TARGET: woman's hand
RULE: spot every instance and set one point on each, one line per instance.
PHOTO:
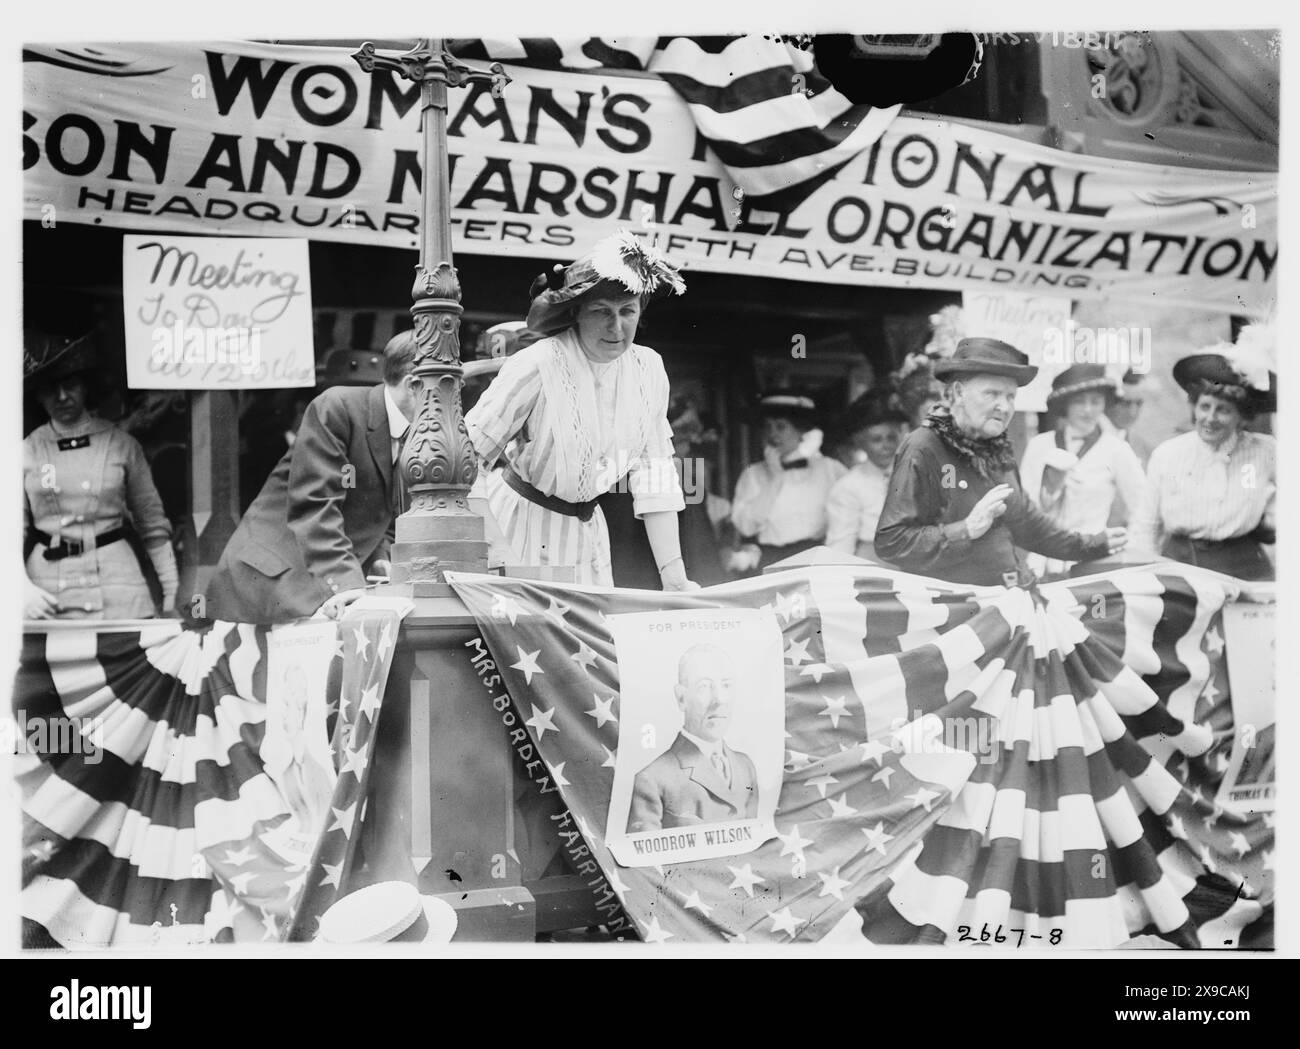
(673, 577)
(335, 606)
(1116, 540)
(37, 603)
(772, 457)
(987, 510)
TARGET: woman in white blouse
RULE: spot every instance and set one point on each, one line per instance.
(856, 499)
(1074, 471)
(580, 411)
(1212, 493)
(780, 503)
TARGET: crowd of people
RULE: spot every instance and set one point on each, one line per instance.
(940, 493)
(582, 447)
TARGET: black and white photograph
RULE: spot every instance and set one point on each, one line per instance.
(747, 482)
(700, 736)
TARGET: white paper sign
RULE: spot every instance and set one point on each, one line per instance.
(217, 313)
(1023, 321)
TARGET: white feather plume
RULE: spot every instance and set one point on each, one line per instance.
(624, 258)
(1255, 353)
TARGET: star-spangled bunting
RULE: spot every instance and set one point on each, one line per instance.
(207, 688)
(366, 676)
(1201, 873)
(857, 798)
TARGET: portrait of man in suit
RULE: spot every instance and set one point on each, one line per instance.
(325, 517)
(699, 779)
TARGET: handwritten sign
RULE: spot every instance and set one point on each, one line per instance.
(1023, 321)
(217, 313)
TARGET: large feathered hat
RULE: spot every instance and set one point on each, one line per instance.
(1244, 372)
(48, 358)
(621, 259)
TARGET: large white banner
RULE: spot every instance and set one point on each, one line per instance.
(262, 140)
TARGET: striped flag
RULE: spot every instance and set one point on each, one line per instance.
(153, 821)
(368, 639)
(775, 124)
(1083, 730)
(1092, 716)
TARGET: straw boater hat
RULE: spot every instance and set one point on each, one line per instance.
(621, 260)
(388, 912)
(1243, 375)
(985, 357)
(1081, 378)
(799, 406)
(496, 344)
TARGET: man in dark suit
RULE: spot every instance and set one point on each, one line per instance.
(699, 779)
(325, 516)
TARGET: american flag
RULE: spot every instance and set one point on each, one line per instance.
(1093, 717)
(1094, 814)
(162, 829)
(775, 124)
(368, 639)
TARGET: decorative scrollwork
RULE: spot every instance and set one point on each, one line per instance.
(1140, 78)
(441, 282)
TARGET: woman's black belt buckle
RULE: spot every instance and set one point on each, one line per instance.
(58, 549)
(582, 511)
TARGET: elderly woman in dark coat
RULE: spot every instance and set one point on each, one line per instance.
(955, 509)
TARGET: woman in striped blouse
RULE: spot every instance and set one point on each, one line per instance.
(1212, 492)
(580, 412)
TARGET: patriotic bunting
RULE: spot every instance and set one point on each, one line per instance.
(774, 122)
(1092, 717)
(1006, 768)
(161, 827)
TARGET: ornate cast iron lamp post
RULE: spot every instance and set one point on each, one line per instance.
(438, 531)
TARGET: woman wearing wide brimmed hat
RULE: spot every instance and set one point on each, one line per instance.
(955, 509)
(1212, 493)
(779, 507)
(1073, 471)
(582, 410)
(856, 499)
(84, 478)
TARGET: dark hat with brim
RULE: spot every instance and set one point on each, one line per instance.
(871, 409)
(1191, 371)
(985, 357)
(621, 262)
(1081, 378)
(49, 358)
(352, 368)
